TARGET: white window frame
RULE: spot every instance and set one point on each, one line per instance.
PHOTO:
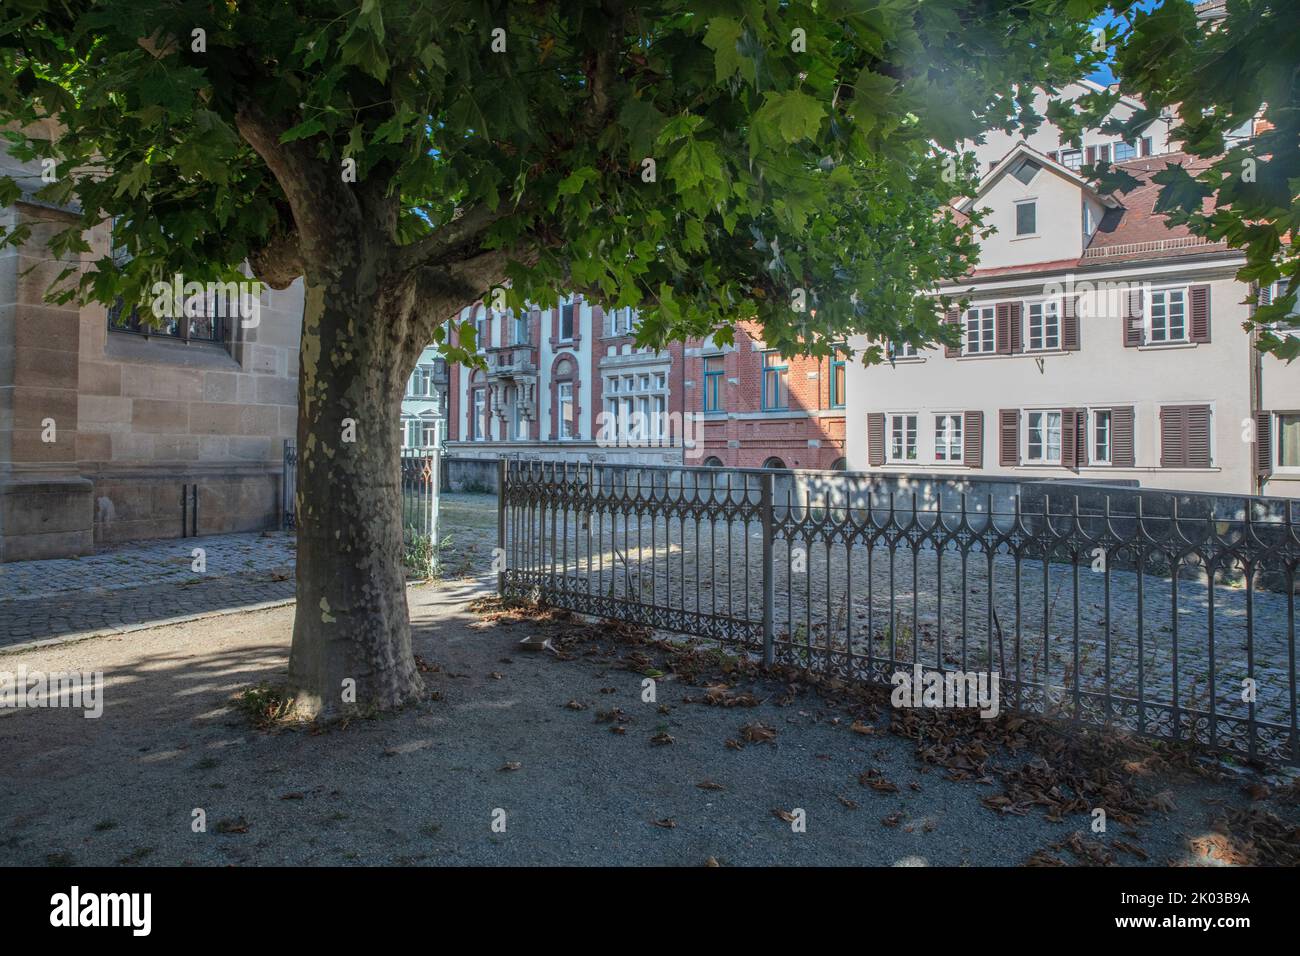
(1045, 437)
(1278, 328)
(564, 395)
(1076, 154)
(948, 436)
(1165, 295)
(1043, 319)
(911, 432)
(572, 305)
(986, 318)
(478, 417)
(1115, 147)
(1276, 425)
(1094, 429)
(1015, 221)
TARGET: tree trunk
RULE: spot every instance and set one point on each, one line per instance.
(351, 633)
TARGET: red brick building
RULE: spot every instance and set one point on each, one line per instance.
(760, 409)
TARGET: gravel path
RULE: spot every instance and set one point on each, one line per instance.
(421, 787)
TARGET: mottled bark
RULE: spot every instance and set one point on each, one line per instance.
(371, 308)
(351, 623)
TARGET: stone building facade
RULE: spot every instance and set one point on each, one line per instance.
(113, 431)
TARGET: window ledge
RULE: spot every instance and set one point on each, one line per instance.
(130, 346)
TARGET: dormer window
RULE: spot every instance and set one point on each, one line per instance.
(1026, 170)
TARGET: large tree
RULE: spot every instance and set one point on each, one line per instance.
(705, 162)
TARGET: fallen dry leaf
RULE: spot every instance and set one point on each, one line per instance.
(757, 733)
(874, 779)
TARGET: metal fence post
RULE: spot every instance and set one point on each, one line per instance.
(769, 569)
(434, 465)
(499, 557)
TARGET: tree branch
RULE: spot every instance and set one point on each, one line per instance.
(279, 262)
(324, 208)
(463, 233)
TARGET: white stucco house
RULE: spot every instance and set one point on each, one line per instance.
(1098, 343)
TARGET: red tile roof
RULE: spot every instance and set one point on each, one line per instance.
(1136, 221)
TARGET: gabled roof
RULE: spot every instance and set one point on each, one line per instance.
(1009, 161)
(1130, 230)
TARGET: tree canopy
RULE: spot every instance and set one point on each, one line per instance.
(706, 162)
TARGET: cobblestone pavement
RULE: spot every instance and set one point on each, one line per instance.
(147, 563)
(150, 583)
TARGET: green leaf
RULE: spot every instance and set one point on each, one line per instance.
(303, 130)
(723, 38)
(133, 180)
(573, 183)
(794, 114)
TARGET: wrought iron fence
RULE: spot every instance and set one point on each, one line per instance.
(1155, 613)
(420, 474)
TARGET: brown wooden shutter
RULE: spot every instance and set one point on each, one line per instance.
(1173, 436)
(1263, 443)
(1133, 319)
(1092, 155)
(951, 318)
(1002, 328)
(1017, 320)
(1197, 445)
(875, 439)
(1146, 145)
(1200, 313)
(1070, 324)
(1080, 437)
(1067, 438)
(1121, 437)
(972, 439)
(1009, 437)
(1070, 438)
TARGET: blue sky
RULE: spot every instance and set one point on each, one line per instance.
(1106, 20)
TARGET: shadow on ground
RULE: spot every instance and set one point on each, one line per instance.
(506, 734)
